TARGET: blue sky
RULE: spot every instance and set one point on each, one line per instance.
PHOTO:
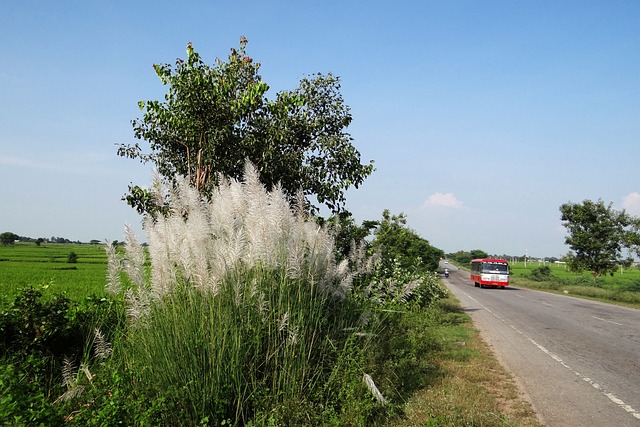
(482, 117)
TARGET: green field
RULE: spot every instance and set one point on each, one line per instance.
(621, 279)
(26, 264)
(623, 287)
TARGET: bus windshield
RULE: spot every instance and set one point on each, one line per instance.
(494, 267)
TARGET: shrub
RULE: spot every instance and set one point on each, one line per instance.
(33, 323)
(42, 340)
(541, 274)
(397, 286)
(56, 326)
(72, 258)
(630, 287)
(24, 398)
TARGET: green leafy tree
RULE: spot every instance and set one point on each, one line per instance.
(347, 234)
(215, 118)
(399, 244)
(477, 253)
(597, 234)
(8, 238)
(461, 257)
(405, 271)
(465, 257)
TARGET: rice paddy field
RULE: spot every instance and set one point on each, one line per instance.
(621, 279)
(26, 264)
(623, 287)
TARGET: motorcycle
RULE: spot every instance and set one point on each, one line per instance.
(446, 273)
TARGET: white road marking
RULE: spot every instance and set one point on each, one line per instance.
(547, 304)
(586, 379)
(606, 320)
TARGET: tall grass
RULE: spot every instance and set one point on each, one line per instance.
(246, 312)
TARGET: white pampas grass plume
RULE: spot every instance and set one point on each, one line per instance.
(134, 257)
(157, 191)
(293, 335)
(85, 370)
(283, 322)
(203, 242)
(70, 380)
(409, 288)
(114, 268)
(373, 389)
(69, 372)
(138, 303)
(101, 348)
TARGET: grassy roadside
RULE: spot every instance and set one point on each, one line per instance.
(621, 288)
(610, 296)
(472, 388)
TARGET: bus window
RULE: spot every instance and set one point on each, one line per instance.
(491, 267)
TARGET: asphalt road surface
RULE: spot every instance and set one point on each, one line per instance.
(578, 360)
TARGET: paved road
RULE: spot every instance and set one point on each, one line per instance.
(578, 360)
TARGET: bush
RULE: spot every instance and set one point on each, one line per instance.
(33, 323)
(630, 287)
(42, 339)
(72, 258)
(394, 286)
(541, 274)
(25, 400)
(56, 326)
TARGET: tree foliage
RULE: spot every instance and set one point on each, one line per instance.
(465, 257)
(397, 243)
(541, 274)
(215, 118)
(598, 235)
(8, 238)
(347, 234)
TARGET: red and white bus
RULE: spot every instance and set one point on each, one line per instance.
(490, 272)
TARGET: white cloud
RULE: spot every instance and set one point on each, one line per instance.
(79, 163)
(443, 199)
(631, 203)
(31, 163)
(16, 161)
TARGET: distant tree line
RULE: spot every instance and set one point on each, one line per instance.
(465, 257)
(9, 238)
